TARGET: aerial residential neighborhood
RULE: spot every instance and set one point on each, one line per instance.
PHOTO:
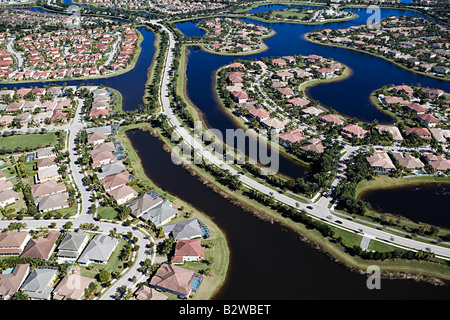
(189, 150)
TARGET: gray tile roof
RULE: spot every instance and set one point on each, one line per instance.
(187, 229)
(158, 214)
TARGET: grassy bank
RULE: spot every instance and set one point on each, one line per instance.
(376, 55)
(218, 253)
(392, 268)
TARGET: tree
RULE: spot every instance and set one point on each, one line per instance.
(104, 276)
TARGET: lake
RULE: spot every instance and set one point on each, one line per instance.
(428, 203)
(266, 260)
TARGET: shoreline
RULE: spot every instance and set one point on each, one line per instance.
(137, 165)
(132, 65)
(375, 55)
(313, 238)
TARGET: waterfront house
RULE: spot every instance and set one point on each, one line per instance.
(428, 119)
(160, 214)
(188, 250)
(115, 181)
(381, 162)
(187, 229)
(331, 118)
(353, 130)
(259, 114)
(313, 144)
(409, 162)
(286, 139)
(144, 202)
(173, 279)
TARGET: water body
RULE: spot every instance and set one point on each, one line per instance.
(267, 261)
(130, 84)
(349, 97)
(426, 203)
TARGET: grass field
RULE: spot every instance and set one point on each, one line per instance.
(28, 141)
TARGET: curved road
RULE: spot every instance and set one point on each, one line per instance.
(319, 209)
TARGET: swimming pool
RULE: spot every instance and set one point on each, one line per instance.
(8, 271)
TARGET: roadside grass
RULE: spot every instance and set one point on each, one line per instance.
(326, 244)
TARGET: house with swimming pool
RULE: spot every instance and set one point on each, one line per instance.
(176, 280)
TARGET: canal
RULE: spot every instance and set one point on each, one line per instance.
(268, 261)
(427, 203)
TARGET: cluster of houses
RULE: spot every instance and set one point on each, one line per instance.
(163, 6)
(39, 283)
(48, 192)
(180, 6)
(33, 106)
(431, 113)
(5, 58)
(73, 53)
(101, 99)
(280, 78)
(23, 17)
(416, 42)
(233, 35)
(385, 163)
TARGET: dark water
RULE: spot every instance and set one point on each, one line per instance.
(349, 97)
(427, 203)
(268, 262)
(130, 84)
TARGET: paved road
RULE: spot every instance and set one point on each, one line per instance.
(319, 209)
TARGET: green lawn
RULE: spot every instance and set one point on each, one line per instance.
(28, 141)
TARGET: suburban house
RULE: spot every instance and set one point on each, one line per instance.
(187, 229)
(39, 284)
(71, 245)
(13, 242)
(8, 197)
(290, 137)
(147, 293)
(188, 250)
(428, 119)
(394, 131)
(53, 202)
(41, 247)
(274, 124)
(11, 282)
(123, 194)
(173, 279)
(381, 162)
(160, 214)
(98, 250)
(353, 130)
(422, 132)
(144, 202)
(72, 286)
(47, 188)
(408, 161)
(47, 174)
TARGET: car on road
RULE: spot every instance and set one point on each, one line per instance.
(338, 221)
(309, 207)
